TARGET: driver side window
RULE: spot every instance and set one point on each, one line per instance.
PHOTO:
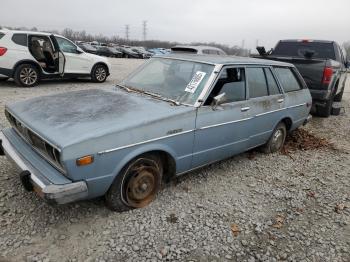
(231, 82)
(66, 46)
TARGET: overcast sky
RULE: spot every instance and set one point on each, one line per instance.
(223, 21)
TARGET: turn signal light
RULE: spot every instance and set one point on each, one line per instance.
(85, 160)
(2, 51)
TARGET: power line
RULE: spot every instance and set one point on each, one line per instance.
(127, 32)
(144, 30)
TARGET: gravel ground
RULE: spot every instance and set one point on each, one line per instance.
(256, 207)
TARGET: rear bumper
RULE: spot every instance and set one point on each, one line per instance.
(6, 72)
(319, 96)
(37, 181)
(307, 120)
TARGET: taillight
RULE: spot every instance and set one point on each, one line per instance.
(327, 75)
(2, 51)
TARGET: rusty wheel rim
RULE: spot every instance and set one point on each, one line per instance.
(142, 186)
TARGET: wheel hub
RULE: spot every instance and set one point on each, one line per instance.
(28, 76)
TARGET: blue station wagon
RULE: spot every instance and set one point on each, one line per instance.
(170, 116)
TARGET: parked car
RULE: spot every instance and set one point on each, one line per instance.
(88, 48)
(199, 50)
(322, 64)
(172, 115)
(128, 53)
(28, 57)
(142, 52)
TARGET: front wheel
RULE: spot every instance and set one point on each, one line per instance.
(276, 140)
(137, 184)
(99, 74)
(26, 75)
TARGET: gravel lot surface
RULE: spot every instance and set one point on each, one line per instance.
(252, 207)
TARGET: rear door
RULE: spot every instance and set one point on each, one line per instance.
(266, 104)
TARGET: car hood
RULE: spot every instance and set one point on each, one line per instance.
(72, 117)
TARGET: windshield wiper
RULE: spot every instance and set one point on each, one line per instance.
(158, 96)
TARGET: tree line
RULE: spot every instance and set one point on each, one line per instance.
(86, 37)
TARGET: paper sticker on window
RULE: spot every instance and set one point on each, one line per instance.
(195, 82)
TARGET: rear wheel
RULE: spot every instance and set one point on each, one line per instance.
(27, 75)
(276, 140)
(99, 74)
(137, 184)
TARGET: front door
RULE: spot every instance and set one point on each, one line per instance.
(222, 131)
(77, 62)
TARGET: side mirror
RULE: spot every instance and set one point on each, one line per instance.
(218, 100)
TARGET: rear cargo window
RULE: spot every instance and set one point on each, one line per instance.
(20, 39)
(288, 80)
(1, 35)
(308, 49)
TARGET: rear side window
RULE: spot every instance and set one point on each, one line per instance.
(256, 82)
(1, 35)
(308, 49)
(271, 82)
(20, 39)
(288, 79)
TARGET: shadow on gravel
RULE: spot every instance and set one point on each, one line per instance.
(11, 83)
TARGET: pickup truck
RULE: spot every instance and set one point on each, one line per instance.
(322, 64)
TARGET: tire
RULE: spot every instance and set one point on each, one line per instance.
(136, 185)
(339, 97)
(99, 74)
(27, 75)
(325, 111)
(3, 79)
(276, 140)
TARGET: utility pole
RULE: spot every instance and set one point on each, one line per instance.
(144, 30)
(127, 32)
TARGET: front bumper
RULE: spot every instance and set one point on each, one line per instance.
(34, 180)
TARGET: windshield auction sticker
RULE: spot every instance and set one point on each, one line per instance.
(195, 82)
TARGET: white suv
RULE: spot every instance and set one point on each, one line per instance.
(28, 57)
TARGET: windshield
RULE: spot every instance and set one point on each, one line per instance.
(180, 81)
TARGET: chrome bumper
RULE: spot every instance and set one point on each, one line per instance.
(32, 181)
(307, 120)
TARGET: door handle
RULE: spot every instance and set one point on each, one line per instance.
(281, 100)
(244, 109)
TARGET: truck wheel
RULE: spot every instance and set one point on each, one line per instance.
(27, 75)
(325, 111)
(276, 140)
(99, 74)
(339, 97)
(137, 184)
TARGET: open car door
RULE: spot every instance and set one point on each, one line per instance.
(60, 60)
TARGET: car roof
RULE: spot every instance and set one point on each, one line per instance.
(28, 32)
(197, 47)
(309, 40)
(223, 59)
